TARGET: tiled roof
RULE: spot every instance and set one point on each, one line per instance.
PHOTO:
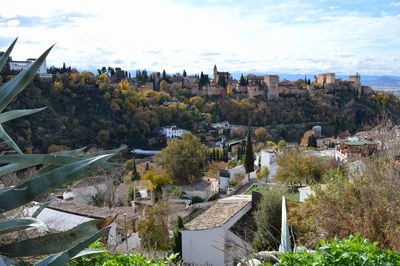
(92, 211)
(219, 213)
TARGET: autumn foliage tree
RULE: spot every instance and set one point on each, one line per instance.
(184, 158)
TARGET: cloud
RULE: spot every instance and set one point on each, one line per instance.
(259, 36)
(49, 21)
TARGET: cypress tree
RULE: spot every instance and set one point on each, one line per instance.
(135, 174)
(249, 156)
(164, 75)
(184, 73)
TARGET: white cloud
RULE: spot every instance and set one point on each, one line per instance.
(256, 36)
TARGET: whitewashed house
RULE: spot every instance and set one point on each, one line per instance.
(220, 235)
(268, 158)
(21, 65)
(221, 125)
(231, 174)
(172, 131)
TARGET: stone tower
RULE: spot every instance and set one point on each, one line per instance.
(215, 74)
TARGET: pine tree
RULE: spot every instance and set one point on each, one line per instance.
(249, 156)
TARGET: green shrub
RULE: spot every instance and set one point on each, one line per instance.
(351, 251)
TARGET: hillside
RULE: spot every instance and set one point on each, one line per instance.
(84, 109)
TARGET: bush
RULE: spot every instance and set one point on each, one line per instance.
(268, 220)
(351, 251)
(368, 205)
(109, 259)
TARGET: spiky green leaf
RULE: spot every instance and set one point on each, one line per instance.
(14, 86)
(18, 224)
(34, 187)
(8, 140)
(56, 242)
(6, 55)
(87, 252)
(41, 208)
(70, 152)
(53, 161)
(63, 257)
(10, 115)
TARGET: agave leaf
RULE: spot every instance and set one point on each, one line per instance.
(14, 86)
(53, 161)
(35, 159)
(88, 251)
(70, 153)
(17, 224)
(63, 257)
(8, 140)
(104, 152)
(32, 188)
(9, 168)
(56, 242)
(3, 59)
(41, 208)
(10, 115)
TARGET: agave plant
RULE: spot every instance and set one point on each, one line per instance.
(59, 168)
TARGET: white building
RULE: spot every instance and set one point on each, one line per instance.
(268, 158)
(231, 174)
(172, 131)
(21, 65)
(221, 125)
(217, 236)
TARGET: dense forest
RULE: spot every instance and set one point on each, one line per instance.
(88, 109)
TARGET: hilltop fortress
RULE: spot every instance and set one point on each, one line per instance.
(272, 87)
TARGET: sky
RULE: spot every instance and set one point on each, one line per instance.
(267, 36)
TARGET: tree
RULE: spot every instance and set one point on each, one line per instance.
(177, 237)
(367, 205)
(157, 181)
(184, 159)
(242, 81)
(261, 134)
(130, 166)
(222, 82)
(268, 220)
(281, 145)
(184, 73)
(153, 230)
(312, 141)
(163, 85)
(299, 168)
(249, 154)
(264, 173)
(164, 75)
